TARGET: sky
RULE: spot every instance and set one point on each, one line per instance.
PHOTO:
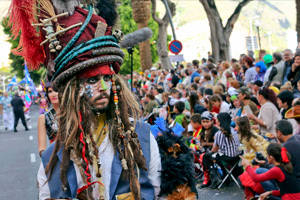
(4, 45)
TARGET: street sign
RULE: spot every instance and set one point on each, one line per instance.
(175, 47)
(176, 58)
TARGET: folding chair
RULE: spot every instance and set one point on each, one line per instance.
(229, 174)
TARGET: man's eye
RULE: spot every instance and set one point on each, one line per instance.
(107, 78)
(92, 80)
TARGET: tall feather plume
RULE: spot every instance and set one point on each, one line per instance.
(22, 16)
(47, 7)
(107, 10)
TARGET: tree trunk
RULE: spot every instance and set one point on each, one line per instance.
(219, 34)
(145, 52)
(162, 46)
(141, 10)
(298, 20)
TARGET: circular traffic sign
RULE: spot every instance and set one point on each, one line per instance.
(175, 47)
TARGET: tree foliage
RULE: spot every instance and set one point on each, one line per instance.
(17, 64)
(128, 25)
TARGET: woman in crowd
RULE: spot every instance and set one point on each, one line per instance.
(47, 123)
(250, 74)
(150, 104)
(237, 71)
(285, 100)
(252, 143)
(226, 140)
(226, 145)
(195, 105)
(294, 75)
(218, 105)
(268, 113)
(226, 70)
(289, 188)
(261, 70)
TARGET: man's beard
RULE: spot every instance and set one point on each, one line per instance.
(98, 111)
(103, 109)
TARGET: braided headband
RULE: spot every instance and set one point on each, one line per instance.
(84, 65)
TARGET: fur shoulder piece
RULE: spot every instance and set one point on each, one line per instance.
(177, 167)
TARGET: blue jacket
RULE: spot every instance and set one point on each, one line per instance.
(117, 185)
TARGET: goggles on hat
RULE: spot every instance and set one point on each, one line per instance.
(207, 115)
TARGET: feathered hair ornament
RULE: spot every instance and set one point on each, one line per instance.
(22, 16)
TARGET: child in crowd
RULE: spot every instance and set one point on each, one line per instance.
(178, 110)
(197, 127)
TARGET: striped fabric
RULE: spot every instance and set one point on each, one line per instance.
(228, 146)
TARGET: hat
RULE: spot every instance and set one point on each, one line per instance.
(234, 97)
(262, 67)
(206, 115)
(232, 91)
(259, 83)
(244, 90)
(67, 38)
(275, 89)
(294, 112)
(268, 59)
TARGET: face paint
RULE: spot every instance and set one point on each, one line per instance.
(106, 85)
(89, 91)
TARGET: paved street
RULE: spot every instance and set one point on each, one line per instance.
(20, 162)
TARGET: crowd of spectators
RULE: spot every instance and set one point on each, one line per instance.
(247, 106)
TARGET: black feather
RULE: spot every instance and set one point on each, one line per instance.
(107, 10)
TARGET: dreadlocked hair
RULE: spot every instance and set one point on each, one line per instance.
(71, 106)
(124, 138)
(121, 134)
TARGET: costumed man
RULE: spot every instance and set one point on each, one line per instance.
(102, 150)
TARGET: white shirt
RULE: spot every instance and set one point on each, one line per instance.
(106, 155)
(267, 74)
(225, 107)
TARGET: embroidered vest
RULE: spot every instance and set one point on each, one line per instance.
(117, 186)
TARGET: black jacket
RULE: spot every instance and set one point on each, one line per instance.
(17, 104)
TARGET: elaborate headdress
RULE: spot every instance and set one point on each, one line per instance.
(71, 41)
(66, 38)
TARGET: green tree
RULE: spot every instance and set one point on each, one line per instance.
(17, 64)
(128, 25)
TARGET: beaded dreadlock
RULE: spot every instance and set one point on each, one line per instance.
(76, 138)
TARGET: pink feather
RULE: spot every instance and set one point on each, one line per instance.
(22, 16)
